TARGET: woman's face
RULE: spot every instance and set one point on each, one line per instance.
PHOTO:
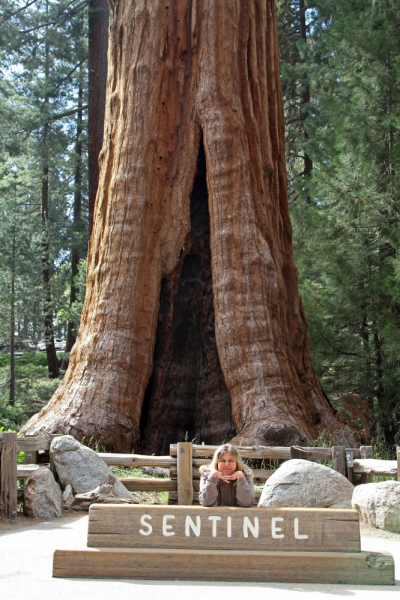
(227, 464)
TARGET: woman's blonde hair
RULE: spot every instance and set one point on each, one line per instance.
(218, 454)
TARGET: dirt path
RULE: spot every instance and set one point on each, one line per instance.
(27, 546)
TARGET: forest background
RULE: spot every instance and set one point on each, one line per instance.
(340, 72)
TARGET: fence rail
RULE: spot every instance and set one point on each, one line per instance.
(183, 464)
(266, 452)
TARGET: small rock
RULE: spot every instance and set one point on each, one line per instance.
(81, 467)
(301, 483)
(103, 494)
(68, 496)
(378, 504)
(42, 495)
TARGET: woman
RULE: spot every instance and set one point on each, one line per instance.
(226, 481)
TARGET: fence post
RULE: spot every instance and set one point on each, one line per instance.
(349, 465)
(366, 452)
(8, 475)
(339, 459)
(185, 473)
(30, 458)
(398, 462)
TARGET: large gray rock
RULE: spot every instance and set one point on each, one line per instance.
(80, 467)
(42, 495)
(306, 484)
(378, 504)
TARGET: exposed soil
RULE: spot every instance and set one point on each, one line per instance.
(23, 521)
(367, 531)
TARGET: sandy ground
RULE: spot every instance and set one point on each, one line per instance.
(27, 546)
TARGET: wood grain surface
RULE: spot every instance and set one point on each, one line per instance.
(265, 452)
(364, 568)
(8, 475)
(185, 473)
(223, 528)
(373, 466)
(33, 444)
(339, 459)
(24, 471)
(136, 460)
(366, 453)
(149, 484)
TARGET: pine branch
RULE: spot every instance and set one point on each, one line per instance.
(11, 15)
(71, 72)
(68, 113)
(71, 13)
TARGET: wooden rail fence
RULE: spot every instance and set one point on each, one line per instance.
(183, 463)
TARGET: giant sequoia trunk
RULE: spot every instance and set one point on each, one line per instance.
(192, 319)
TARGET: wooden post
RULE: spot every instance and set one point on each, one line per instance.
(339, 459)
(8, 475)
(398, 462)
(349, 464)
(185, 473)
(366, 452)
(30, 458)
(298, 452)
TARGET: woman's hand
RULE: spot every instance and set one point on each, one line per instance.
(227, 478)
(219, 476)
(235, 476)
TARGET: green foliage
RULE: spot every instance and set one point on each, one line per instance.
(346, 229)
(44, 78)
(383, 451)
(72, 312)
(341, 87)
(122, 472)
(145, 497)
(33, 389)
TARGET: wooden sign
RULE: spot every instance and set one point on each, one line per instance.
(223, 528)
(362, 568)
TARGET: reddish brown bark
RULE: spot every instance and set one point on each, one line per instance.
(179, 72)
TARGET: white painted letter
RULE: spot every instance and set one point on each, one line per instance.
(275, 529)
(214, 525)
(190, 525)
(296, 531)
(229, 526)
(144, 522)
(166, 527)
(247, 524)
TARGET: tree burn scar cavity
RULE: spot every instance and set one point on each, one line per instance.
(187, 396)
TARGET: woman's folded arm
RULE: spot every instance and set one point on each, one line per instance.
(208, 493)
(245, 495)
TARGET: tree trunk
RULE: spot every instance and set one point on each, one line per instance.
(180, 73)
(11, 400)
(51, 354)
(52, 360)
(305, 101)
(77, 224)
(98, 36)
